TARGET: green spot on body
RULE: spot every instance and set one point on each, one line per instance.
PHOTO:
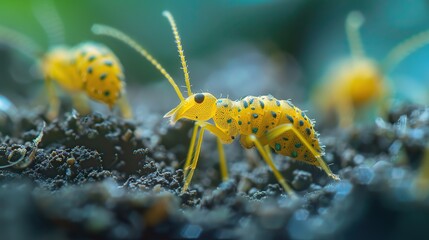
(298, 145)
(262, 104)
(255, 115)
(294, 154)
(245, 104)
(91, 58)
(240, 122)
(286, 139)
(301, 123)
(229, 120)
(254, 130)
(103, 76)
(289, 118)
(274, 114)
(108, 63)
(278, 147)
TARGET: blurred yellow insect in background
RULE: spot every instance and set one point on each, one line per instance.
(262, 122)
(360, 83)
(90, 69)
(87, 70)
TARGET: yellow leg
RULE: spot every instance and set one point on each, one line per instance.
(267, 157)
(191, 165)
(190, 151)
(124, 107)
(222, 160)
(279, 130)
(54, 102)
(80, 103)
(268, 151)
(188, 178)
(345, 113)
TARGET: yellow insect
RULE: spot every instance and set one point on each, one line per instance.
(89, 69)
(262, 122)
(360, 83)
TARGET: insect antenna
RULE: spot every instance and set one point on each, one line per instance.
(48, 17)
(170, 18)
(404, 49)
(353, 23)
(112, 32)
(20, 42)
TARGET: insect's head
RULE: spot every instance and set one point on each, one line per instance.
(361, 79)
(199, 106)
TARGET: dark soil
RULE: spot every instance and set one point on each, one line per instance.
(101, 177)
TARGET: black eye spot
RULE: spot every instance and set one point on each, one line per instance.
(199, 98)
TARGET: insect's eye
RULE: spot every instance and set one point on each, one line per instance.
(199, 98)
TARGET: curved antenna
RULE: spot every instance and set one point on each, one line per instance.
(353, 23)
(48, 17)
(20, 42)
(404, 49)
(170, 18)
(112, 32)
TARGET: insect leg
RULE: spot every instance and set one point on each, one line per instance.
(279, 130)
(267, 157)
(345, 113)
(190, 166)
(54, 102)
(268, 151)
(194, 161)
(222, 160)
(80, 103)
(124, 107)
(190, 151)
(221, 139)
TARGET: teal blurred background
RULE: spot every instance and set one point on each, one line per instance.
(233, 48)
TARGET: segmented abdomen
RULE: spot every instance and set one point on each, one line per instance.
(88, 67)
(100, 71)
(258, 115)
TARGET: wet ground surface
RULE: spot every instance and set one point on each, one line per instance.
(101, 177)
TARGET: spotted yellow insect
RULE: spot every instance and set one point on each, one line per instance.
(87, 70)
(263, 122)
(359, 85)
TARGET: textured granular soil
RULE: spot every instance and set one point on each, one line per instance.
(101, 177)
